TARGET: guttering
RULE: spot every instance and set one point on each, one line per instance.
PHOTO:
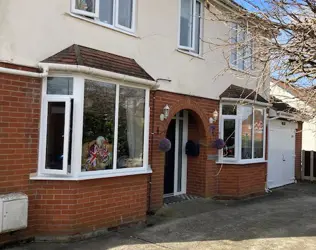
(240, 100)
(98, 72)
(24, 73)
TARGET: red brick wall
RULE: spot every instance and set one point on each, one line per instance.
(56, 207)
(298, 151)
(195, 171)
(238, 181)
(70, 208)
(19, 121)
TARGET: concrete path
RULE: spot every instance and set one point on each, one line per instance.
(285, 219)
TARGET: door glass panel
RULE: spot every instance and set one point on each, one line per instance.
(59, 85)
(246, 130)
(55, 135)
(180, 152)
(259, 132)
(229, 110)
(229, 138)
(307, 167)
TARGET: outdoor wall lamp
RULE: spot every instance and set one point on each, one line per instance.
(165, 113)
(214, 117)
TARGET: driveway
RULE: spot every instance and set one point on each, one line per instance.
(284, 219)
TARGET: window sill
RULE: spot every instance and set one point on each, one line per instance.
(241, 162)
(35, 176)
(191, 54)
(101, 24)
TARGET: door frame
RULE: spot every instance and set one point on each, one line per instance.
(185, 120)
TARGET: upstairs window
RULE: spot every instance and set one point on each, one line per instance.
(113, 13)
(241, 57)
(190, 25)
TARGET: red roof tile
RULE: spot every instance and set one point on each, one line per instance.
(84, 56)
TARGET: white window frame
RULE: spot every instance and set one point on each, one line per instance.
(43, 138)
(191, 48)
(238, 132)
(86, 13)
(115, 24)
(77, 133)
(235, 64)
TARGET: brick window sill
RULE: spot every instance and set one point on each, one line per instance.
(36, 176)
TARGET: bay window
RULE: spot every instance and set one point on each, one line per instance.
(190, 25)
(118, 14)
(242, 127)
(91, 128)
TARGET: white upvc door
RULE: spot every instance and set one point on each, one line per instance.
(281, 154)
(180, 164)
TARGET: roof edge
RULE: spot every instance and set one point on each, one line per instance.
(98, 72)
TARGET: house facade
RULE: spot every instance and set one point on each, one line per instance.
(99, 100)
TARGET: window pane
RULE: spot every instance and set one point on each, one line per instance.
(248, 53)
(131, 128)
(55, 135)
(246, 133)
(233, 57)
(125, 13)
(59, 85)
(186, 23)
(229, 138)
(259, 133)
(86, 5)
(241, 50)
(98, 126)
(197, 27)
(229, 110)
(106, 11)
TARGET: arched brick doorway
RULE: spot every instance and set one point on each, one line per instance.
(198, 168)
(184, 173)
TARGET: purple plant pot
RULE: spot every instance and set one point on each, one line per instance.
(165, 145)
(219, 144)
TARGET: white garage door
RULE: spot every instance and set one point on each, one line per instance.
(281, 153)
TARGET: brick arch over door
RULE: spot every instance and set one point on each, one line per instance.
(201, 110)
(190, 106)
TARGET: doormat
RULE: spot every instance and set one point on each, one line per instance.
(179, 198)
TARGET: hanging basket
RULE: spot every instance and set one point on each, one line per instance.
(165, 145)
(219, 144)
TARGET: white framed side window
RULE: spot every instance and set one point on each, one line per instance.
(241, 56)
(116, 14)
(190, 25)
(242, 127)
(92, 128)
